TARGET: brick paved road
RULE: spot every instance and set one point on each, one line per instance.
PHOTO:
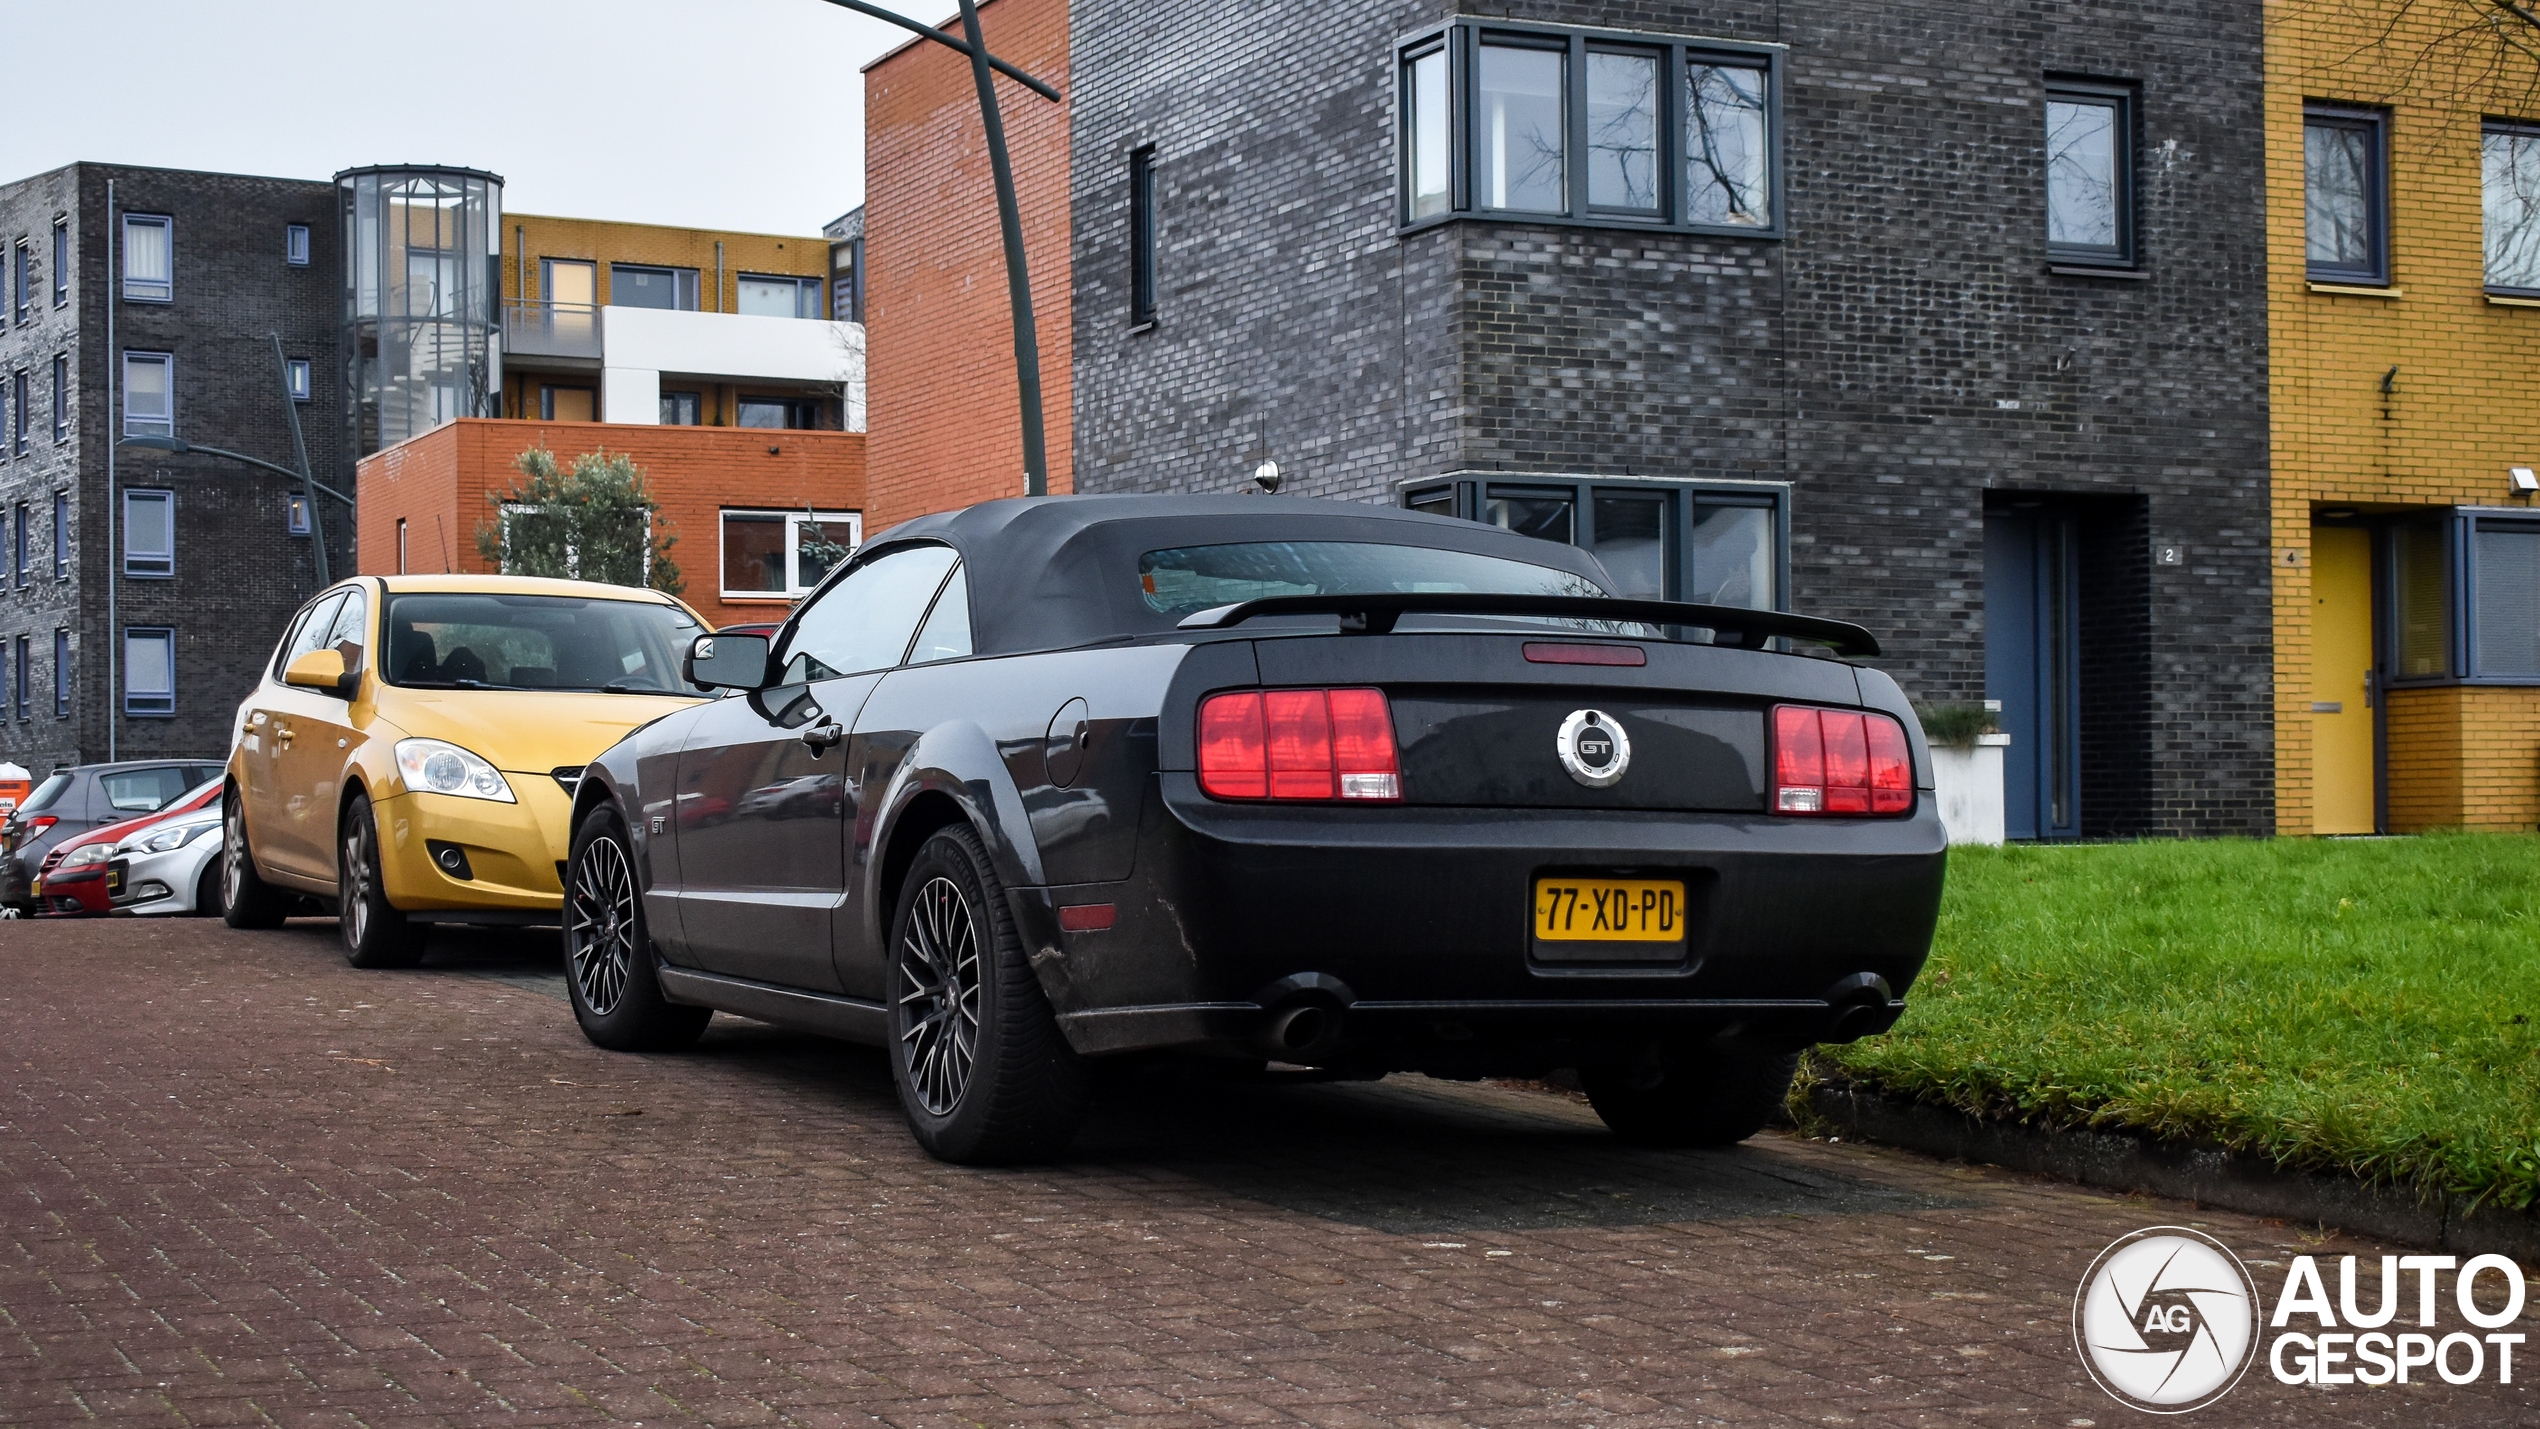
(242, 1184)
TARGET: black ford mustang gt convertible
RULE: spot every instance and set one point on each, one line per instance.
(1042, 783)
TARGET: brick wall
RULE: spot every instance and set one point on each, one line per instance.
(940, 342)
(239, 573)
(2458, 410)
(1903, 352)
(440, 484)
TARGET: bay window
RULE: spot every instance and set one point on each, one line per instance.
(2464, 598)
(1580, 126)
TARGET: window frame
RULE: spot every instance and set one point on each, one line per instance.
(22, 292)
(684, 283)
(61, 535)
(21, 549)
(61, 672)
(1142, 306)
(167, 286)
(24, 697)
(2377, 192)
(817, 287)
(295, 245)
(61, 398)
(2126, 255)
(167, 362)
(794, 520)
(61, 262)
(152, 565)
(300, 375)
(21, 385)
(132, 699)
(1467, 490)
(1461, 39)
(2489, 127)
(2459, 526)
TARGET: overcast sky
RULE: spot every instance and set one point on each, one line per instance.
(733, 114)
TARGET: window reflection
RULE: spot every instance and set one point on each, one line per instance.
(1732, 557)
(2418, 580)
(1622, 105)
(1548, 515)
(1726, 171)
(2339, 194)
(2510, 170)
(2081, 174)
(1429, 138)
(1631, 539)
(1521, 131)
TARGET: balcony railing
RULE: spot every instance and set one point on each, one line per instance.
(539, 329)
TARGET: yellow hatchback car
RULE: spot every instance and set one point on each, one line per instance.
(410, 753)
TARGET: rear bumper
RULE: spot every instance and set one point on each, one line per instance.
(1410, 931)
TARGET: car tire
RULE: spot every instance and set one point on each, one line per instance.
(207, 889)
(1697, 1094)
(982, 1070)
(247, 901)
(375, 934)
(610, 970)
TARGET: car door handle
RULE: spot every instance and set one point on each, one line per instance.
(822, 737)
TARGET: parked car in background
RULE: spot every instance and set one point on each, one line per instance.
(75, 803)
(1264, 779)
(410, 753)
(77, 878)
(170, 867)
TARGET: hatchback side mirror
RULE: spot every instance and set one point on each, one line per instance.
(321, 670)
(727, 662)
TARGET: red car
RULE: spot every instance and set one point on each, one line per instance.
(72, 882)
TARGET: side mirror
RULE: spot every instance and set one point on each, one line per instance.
(727, 662)
(321, 670)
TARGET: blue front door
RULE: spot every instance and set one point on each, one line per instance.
(2031, 629)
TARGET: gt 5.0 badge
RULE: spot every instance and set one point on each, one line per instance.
(1593, 748)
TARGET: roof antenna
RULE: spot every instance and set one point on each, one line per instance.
(1266, 475)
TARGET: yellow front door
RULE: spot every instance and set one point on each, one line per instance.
(2341, 665)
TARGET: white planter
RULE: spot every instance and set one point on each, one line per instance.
(1968, 786)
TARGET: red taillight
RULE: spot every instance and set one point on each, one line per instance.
(1299, 745)
(1839, 762)
(1233, 763)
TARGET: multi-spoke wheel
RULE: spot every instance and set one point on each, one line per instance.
(246, 900)
(939, 995)
(599, 925)
(376, 935)
(609, 963)
(982, 1069)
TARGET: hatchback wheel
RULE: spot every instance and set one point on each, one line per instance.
(609, 963)
(375, 934)
(982, 1069)
(246, 900)
(1695, 1094)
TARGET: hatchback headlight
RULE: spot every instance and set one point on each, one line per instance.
(431, 766)
(86, 854)
(163, 840)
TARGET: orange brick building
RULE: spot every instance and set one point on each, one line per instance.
(939, 338)
(2403, 204)
(734, 497)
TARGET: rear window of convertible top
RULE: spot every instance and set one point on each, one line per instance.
(1187, 579)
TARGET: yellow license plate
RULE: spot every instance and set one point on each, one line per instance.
(1609, 910)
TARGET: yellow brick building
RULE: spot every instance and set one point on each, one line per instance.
(2403, 194)
(557, 270)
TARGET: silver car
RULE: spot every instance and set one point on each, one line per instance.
(169, 868)
(71, 802)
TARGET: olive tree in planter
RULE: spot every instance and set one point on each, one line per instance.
(1966, 768)
(597, 521)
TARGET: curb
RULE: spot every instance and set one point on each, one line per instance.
(2207, 1176)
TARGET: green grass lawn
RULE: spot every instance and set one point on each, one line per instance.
(2366, 1006)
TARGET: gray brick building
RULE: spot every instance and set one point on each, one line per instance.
(183, 576)
(1765, 300)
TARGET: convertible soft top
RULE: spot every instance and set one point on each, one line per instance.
(1051, 572)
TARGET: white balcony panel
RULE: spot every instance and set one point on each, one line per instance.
(734, 346)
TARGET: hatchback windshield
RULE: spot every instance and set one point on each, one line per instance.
(536, 642)
(1189, 579)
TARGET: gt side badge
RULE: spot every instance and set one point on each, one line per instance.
(1593, 748)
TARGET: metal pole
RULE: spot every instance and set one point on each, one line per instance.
(114, 385)
(1018, 280)
(300, 457)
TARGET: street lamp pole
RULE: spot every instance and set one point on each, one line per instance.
(177, 447)
(1018, 281)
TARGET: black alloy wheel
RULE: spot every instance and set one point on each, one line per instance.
(609, 964)
(246, 900)
(983, 1071)
(375, 934)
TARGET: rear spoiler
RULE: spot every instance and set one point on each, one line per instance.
(1375, 614)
